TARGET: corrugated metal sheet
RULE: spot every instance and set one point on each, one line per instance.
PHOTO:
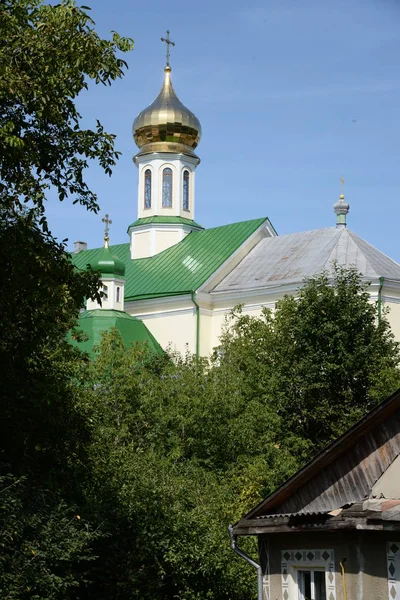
(291, 258)
(181, 268)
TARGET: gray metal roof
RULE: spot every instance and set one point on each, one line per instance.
(291, 258)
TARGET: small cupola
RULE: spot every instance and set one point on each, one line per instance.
(341, 208)
(112, 271)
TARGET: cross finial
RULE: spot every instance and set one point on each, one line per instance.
(106, 219)
(168, 43)
(342, 182)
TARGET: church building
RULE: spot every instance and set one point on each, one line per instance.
(180, 279)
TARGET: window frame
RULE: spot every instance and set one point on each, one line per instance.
(294, 560)
(300, 587)
(148, 184)
(186, 189)
(167, 178)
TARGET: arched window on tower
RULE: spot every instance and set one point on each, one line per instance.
(147, 188)
(167, 188)
(185, 203)
(118, 299)
(105, 291)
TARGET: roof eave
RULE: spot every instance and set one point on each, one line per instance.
(376, 416)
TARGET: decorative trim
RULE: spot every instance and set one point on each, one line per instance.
(393, 564)
(264, 560)
(291, 560)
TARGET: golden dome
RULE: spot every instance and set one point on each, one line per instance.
(166, 124)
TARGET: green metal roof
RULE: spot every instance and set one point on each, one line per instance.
(108, 264)
(181, 269)
(94, 322)
(167, 220)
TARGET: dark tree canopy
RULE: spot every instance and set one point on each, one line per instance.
(48, 54)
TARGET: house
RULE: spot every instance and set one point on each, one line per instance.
(332, 531)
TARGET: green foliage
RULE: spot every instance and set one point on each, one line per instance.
(49, 54)
(177, 455)
(41, 298)
(322, 360)
(44, 545)
(181, 448)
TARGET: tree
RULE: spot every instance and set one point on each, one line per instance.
(177, 454)
(182, 447)
(48, 55)
(321, 360)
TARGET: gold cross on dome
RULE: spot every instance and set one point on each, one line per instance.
(106, 219)
(342, 182)
(168, 43)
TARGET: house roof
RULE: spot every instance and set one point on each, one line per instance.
(181, 269)
(343, 474)
(95, 322)
(291, 258)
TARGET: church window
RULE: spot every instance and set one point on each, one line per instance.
(118, 294)
(185, 190)
(105, 292)
(167, 188)
(147, 188)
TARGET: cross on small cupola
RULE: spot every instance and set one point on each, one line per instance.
(106, 219)
(168, 43)
(341, 208)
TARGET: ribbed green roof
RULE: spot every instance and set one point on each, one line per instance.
(182, 268)
(107, 263)
(94, 322)
(167, 220)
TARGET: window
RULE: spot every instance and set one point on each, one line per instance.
(308, 574)
(105, 292)
(311, 584)
(118, 294)
(167, 188)
(185, 190)
(147, 188)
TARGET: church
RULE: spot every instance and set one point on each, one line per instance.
(176, 281)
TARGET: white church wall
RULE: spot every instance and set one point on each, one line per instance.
(112, 298)
(165, 238)
(173, 320)
(174, 330)
(178, 163)
(143, 243)
(394, 316)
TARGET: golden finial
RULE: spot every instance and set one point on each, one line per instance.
(342, 194)
(168, 44)
(106, 219)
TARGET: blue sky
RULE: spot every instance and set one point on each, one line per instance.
(291, 94)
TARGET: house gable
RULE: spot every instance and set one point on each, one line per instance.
(345, 472)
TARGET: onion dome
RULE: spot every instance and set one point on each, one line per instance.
(341, 209)
(107, 263)
(166, 125)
